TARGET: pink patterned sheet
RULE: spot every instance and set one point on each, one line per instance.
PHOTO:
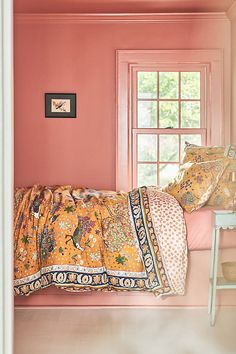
(199, 231)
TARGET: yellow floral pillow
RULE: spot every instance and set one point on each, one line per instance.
(225, 190)
(202, 153)
(195, 183)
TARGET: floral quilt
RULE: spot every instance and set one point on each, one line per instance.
(82, 239)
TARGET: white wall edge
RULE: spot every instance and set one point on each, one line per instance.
(6, 179)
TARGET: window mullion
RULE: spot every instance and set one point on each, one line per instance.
(171, 131)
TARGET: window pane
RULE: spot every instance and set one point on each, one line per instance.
(168, 114)
(169, 148)
(147, 114)
(147, 174)
(168, 172)
(147, 84)
(168, 85)
(192, 139)
(190, 85)
(190, 114)
(147, 147)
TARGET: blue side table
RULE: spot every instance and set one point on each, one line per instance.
(222, 220)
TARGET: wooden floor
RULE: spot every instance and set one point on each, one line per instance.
(126, 331)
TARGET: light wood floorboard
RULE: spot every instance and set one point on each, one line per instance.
(126, 331)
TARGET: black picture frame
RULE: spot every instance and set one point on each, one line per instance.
(54, 105)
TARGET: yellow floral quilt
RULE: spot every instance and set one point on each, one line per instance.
(82, 239)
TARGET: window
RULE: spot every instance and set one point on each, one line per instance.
(168, 109)
(164, 98)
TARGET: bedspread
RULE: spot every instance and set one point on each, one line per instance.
(82, 239)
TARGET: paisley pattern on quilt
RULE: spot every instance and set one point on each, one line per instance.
(82, 239)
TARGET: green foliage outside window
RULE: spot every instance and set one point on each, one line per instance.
(161, 105)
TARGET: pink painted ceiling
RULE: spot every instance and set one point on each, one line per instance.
(120, 6)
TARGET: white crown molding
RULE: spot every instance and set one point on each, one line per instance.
(231, 13)
(117, 17)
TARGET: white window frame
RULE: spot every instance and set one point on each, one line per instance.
(217, 123)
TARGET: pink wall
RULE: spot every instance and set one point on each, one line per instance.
(80, 58)
(233, 49)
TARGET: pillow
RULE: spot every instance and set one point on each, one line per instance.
(195, 183)
(202, 153)
(230, 151)
(223, 195)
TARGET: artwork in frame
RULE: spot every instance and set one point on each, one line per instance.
(60, 105)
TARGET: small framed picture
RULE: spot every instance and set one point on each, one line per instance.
(60, 105)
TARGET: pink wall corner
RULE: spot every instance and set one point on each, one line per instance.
(80, 57)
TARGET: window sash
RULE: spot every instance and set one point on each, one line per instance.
(168, 68)
(155, 131)
(164, 131)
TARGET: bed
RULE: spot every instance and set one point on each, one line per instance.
(198, 241)
(130, 243)
(196, 289)
(82, 240)
(199, 231)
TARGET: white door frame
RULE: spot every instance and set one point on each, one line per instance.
(6, 177)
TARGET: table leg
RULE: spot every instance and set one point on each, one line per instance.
(213, 305)
(211, 270)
